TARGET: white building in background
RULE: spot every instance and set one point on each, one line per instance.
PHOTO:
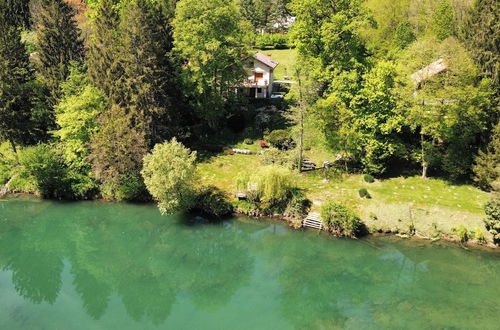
(259, 83)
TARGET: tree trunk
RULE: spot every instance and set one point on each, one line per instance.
(425, 164)
(301, 123)
(13, 145)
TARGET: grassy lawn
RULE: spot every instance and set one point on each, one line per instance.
(432, 205)
(286, 59)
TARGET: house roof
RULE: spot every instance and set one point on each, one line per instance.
(429, 71)
(266, 60)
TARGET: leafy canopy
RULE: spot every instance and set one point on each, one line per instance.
(169, 174)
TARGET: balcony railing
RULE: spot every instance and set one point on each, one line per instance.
(256, 83)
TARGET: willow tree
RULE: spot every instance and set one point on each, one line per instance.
(169, 175)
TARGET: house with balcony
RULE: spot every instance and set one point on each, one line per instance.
(260, 76)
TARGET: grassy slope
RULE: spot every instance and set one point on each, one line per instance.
(396, 202)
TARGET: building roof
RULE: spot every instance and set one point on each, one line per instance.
(266, 60)
(429, 71)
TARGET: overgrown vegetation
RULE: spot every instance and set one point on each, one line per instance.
(341, 220)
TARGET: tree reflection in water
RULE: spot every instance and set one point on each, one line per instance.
(128, 251)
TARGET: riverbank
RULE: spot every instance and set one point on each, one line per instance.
(430, 208)
(297, 225)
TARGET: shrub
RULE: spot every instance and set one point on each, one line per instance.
(273, 156)
(131, 188)
(272, 187)
(479, 235)
(280, 139)
(271, 40)
(46, 169)
(298, 206)
(247, 208)
(248, 141)
(363, 193)
(486, 169)
(369, 178)
(273, 184)
(341, 220)
(462, 233)
(411, 229)
(211, 201)
(263, 144)
(492, 221)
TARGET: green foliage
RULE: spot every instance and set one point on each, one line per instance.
(368, 178)
(262, 14)
(58, 43)
(15, 93)
(169, 174)
(280, 139)
(451, 109)
(404, 35)
(272, 41)
(478, 235)
(486, 168)
(76, 117)
(247, 208)
(146, 84)
(328, 36)
(15, 13)
(102, 44)
(341, 220)
(273, 184)
(492, 221)
(363, 193)
(273, 156)
(481, 32)
(443, 20)
(116, 154)
(211, 39)
(298, 205)
(463, 233)
(212, 201)
(271, 188)
(411, 229)
(46, 170)
(248, 141)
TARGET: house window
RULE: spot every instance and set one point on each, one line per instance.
(259, 90)
(259, 75)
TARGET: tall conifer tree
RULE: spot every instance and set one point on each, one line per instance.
(146, 87)
(58, 41)
(102, 47)
(481, 34)
(15, 74)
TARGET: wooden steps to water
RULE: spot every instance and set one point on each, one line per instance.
(313, 220)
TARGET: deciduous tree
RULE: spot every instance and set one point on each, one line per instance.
(169, 173)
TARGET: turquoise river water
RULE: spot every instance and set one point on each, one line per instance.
(95, 265)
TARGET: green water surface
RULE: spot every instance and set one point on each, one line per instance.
(94, 265)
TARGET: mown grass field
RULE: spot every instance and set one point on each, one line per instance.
(286, 59)
(433, 205)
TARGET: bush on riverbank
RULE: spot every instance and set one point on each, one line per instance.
(341, 220)
(212, 201)
(169, 175)
(492, 221)
(271, 191)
